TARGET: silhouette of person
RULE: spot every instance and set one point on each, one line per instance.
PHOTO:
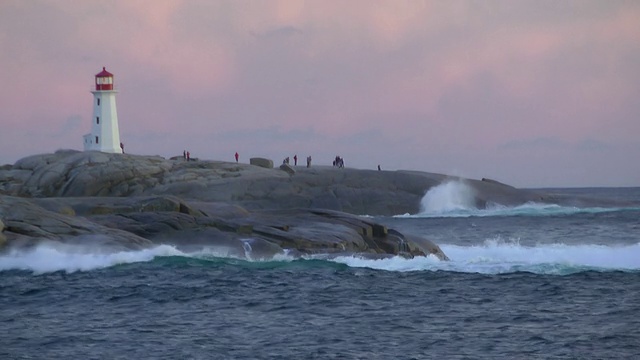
(295, 160)
(122, 147)
(379, 168)
(237, 156)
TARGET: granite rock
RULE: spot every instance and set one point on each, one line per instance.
(125, 201)
(262, 162)
(141, 222)
(91, 174)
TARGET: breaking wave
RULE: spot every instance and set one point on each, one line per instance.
(491, 257)
(499, 257)
(457, 199)
(453, 196)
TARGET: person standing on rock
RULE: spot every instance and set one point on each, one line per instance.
(237, 156)
(188, 156)
(379, 168)
(122, 147)
(184, 154)
(295, 160)
(309, 161)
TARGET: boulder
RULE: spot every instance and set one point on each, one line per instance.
(262, 162)
(425, 245)
(288, 169)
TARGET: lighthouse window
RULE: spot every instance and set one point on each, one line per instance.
(98, 102)
(96, 139)
(98, 120)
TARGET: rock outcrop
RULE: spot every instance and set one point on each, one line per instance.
(86, 174)
(27, 224)
(124, 201)
(132, 223)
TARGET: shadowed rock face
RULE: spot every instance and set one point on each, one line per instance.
(137, 222)
(126, 201)
(26, 224)
(3, 238)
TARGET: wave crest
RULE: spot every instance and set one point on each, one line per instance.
(452, 196)
(494, 256)
(458, 199)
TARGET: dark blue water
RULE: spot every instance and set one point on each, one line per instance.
(527, 283)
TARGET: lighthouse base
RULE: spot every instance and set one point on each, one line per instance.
(90, 144)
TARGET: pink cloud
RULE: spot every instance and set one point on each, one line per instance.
(456, 79)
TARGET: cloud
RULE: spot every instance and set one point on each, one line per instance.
(593, 145)
(272, 133)
(552, 143)
(282, 32)
(428, 85)
(539, 143)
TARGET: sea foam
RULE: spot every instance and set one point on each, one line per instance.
(491, 257)
(457, 199)
(51, 257)
(497, 257)
(448, 197)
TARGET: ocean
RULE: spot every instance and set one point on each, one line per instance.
(529, 282)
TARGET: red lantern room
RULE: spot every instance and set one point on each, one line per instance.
(104, 80)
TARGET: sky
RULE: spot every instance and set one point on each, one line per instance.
(532, 93)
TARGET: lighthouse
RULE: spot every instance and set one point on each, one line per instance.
(104, 135)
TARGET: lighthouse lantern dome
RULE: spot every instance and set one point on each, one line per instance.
(104, 80)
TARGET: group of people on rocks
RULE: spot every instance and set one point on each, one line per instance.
(295, 160)
(337, 162)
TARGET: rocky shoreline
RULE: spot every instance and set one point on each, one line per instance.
(119, 202)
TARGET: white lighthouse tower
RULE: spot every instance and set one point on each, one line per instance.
(104, 135)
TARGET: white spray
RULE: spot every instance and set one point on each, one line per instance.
(448, 197)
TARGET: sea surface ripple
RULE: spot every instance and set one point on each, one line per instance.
(534, 282)
(176, 307)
